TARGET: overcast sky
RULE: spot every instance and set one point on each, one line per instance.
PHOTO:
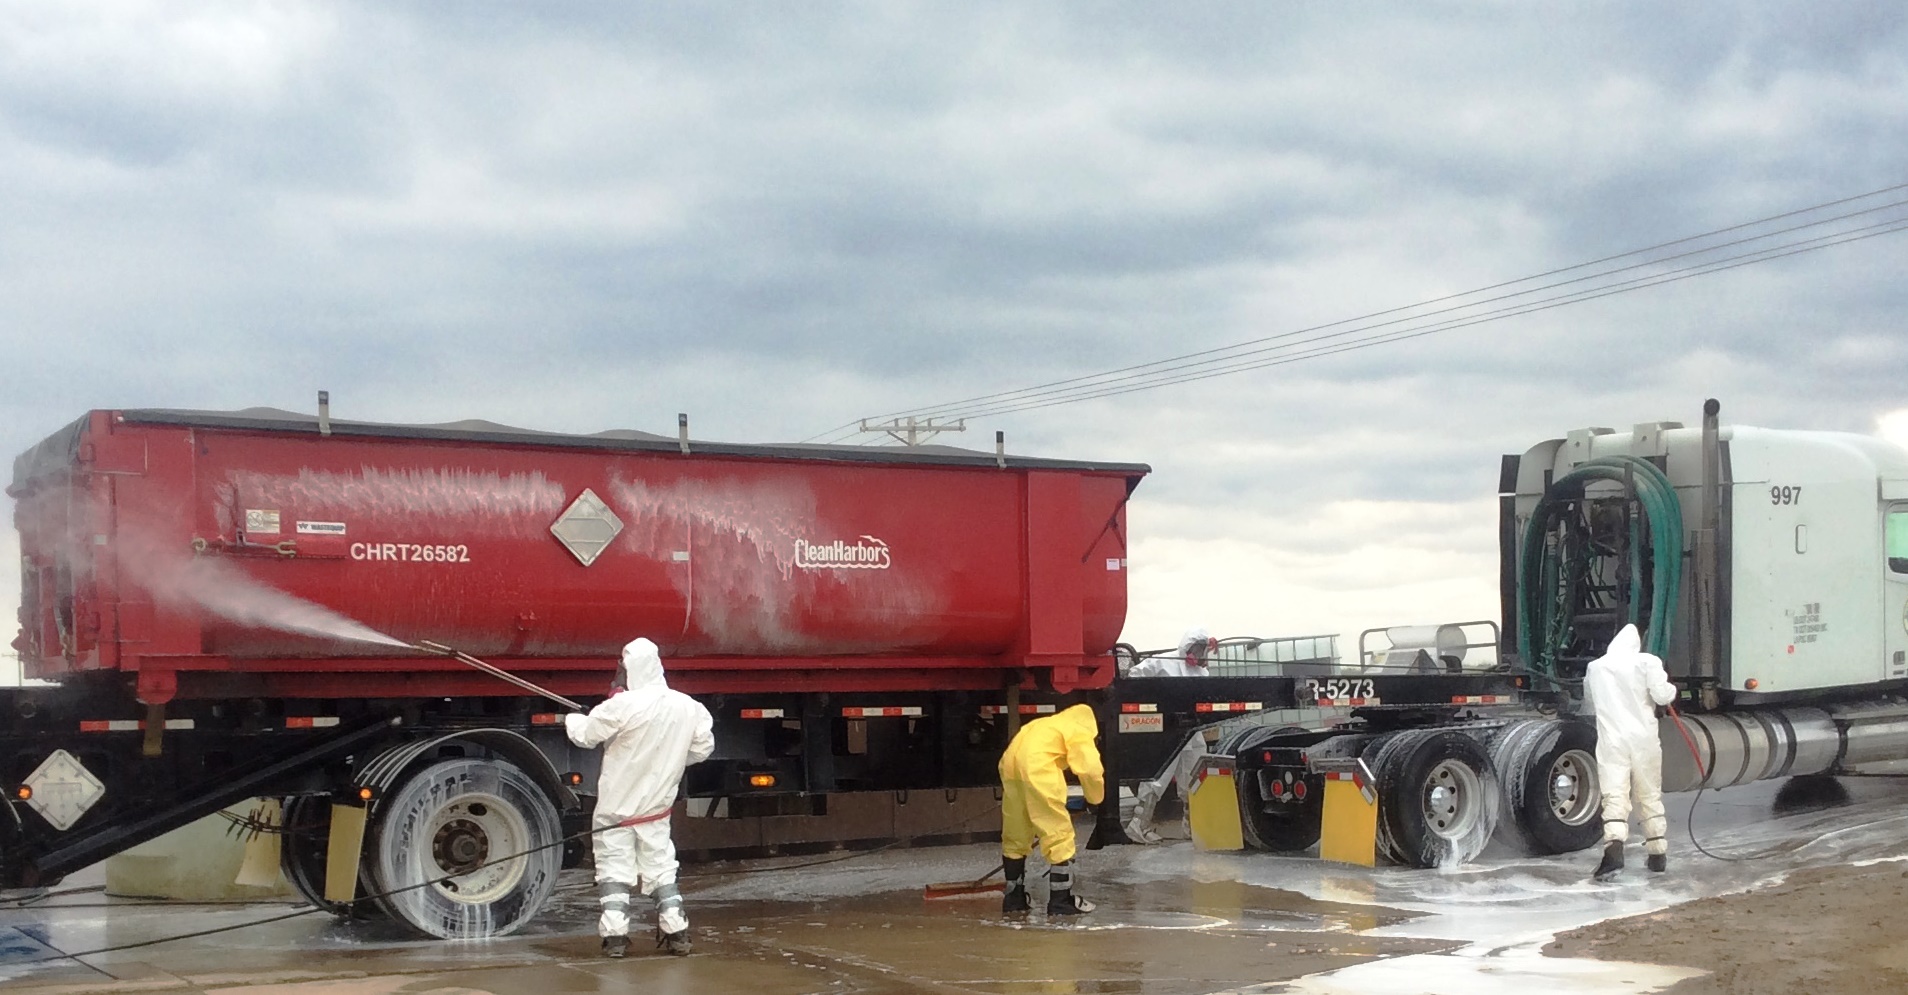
(781, 217)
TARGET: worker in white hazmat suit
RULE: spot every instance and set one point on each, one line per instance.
(649, 733)
(1195, 650)
(1624, 687)
(1196, 647)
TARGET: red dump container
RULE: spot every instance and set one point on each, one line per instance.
(220, 554)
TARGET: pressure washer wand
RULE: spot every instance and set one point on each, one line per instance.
(440, 649)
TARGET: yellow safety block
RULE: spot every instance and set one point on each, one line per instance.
(1348, 832)
(342, 852)
(1212, 808)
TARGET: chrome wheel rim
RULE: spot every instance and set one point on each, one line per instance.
(1453, 800)
(1573, 788)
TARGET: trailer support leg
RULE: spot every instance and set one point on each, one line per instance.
(1107, 830)
(155, 730)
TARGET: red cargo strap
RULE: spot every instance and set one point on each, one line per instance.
(637, 820)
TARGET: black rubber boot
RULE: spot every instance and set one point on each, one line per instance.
(1612, 862)
(1658, 862)
(615, 946)
(1061, 901)
(1014, 902)
(676, 943)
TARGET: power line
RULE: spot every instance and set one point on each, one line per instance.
(1419, 331)
(1228, 359)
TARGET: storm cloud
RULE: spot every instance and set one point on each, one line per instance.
(780, 219)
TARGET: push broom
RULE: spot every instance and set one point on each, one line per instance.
(967, 889)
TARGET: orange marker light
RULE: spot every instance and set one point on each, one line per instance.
(761, 780)
(23, 792)
(364, 794)
(1751, 684)
(573, 778)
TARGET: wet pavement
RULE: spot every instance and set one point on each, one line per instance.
(1172, 920)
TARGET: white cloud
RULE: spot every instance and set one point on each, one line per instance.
(1893, 426)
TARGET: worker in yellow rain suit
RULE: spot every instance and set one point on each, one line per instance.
(1033, 803)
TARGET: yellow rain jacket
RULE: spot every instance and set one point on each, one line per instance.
(1033, 801)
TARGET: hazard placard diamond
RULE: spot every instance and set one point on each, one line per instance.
(586, 527)
(63, 789)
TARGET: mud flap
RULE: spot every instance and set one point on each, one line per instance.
(1348, 833)
(344, 851)
(1212, 807)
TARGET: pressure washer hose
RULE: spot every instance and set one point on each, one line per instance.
(1544, 581)
(1703, 774)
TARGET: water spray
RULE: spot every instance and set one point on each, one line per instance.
(439, 649)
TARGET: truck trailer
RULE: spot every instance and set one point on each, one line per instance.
(228, 605)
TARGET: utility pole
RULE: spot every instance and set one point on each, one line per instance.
(911, 431)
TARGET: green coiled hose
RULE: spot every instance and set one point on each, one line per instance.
(1545, 584)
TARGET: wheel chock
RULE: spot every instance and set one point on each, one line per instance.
(1212, 806)
(1348, 829)
(343, 852)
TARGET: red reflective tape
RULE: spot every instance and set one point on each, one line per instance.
(1002, 710)
(1139, 706)
(761, 713)
(1204, 706)
(111, 725)
(546, 719)
(1229, 706)
(885, 712)
(318, 721)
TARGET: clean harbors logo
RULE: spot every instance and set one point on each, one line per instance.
(866, 553)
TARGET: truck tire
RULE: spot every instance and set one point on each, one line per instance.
(1549, 774)
(1280, 827)
(302, 853)
(1438, 797)
(464, 848)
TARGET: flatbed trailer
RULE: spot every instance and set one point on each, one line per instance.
(1429, 747)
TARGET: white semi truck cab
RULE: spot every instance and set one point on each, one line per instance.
(1810, 565)
(1769, 570)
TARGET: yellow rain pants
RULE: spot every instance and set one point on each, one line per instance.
(1033, 796)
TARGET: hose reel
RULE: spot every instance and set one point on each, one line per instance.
(1581, 570)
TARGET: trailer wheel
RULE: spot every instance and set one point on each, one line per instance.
(1549, 770)
(1438, 797)
(302, 854)
(465, 848)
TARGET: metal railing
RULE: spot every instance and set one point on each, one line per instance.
(1260, 656)
(1443, 648)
